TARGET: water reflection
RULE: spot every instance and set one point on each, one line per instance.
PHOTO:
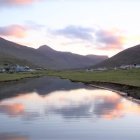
(54, 109)
(12, 136)
(80, 103)
(14, 109)
(43, 85)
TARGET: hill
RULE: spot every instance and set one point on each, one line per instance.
(129, 56)
(22, 53)
(8, 59)
(46, 57)
(70, 60)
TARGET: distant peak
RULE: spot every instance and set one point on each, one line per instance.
(45, 48)
(92, 56)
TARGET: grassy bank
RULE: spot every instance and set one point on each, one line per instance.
(5, 77)
(127, 81)
(127, 77)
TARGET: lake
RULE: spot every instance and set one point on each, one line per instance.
(54, 109)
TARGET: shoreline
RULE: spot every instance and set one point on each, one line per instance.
(18, 79)
(128, 91)
(122, 93)
(19, 76)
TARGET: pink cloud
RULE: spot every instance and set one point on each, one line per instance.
(22, 1)
(104, 39)
(109, 40)
(17, 2)
(14, 30)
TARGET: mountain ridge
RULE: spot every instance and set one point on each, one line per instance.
(128, 56)
(46, 57)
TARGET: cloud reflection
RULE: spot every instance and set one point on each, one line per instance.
(80, 103)
(96, 103)
(12, 136)
(14, 109)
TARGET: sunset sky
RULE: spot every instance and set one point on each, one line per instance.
(102, 27)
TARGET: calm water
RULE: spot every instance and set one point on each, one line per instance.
(54, 109)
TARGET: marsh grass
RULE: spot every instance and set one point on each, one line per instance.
(128, 77)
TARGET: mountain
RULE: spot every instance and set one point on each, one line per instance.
(8, 59)
(24, 53)
(70, 60)
(98, 57)
(126, 57)
(44, 56)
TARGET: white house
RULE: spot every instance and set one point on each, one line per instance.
(137, 66)
(2, 70)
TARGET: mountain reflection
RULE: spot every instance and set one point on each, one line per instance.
(73, 104)
(42, 85)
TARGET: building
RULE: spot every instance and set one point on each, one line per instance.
(2, 70)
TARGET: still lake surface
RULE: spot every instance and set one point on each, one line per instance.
(54, 109)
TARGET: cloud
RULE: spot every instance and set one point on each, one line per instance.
(75, 32)
(103, 39)
(108, 40)
(33, 25)
(13, 30)
(106, 37)
(5, 3)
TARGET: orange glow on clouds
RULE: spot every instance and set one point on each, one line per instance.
(20, 2)
(17, 31)
(112, 40)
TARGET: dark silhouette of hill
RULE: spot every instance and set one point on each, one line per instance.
(70, 60)
(128, 56)
(46, 57)
(23, 53)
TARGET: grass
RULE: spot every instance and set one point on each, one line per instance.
(130, 79)
(5, 77)
(127, 77)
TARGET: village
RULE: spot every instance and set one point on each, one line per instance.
(122, 67)
(8, 68)
(11, 68)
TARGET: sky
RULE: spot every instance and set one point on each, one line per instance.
(101, 27)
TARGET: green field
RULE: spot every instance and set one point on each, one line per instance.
(127, 77)
(5, 77)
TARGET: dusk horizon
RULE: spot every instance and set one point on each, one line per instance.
(82, 27)
(69, 70)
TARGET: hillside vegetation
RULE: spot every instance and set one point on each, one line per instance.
(127, 77)
(8, 59)
(44, 57)
(129, 56)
